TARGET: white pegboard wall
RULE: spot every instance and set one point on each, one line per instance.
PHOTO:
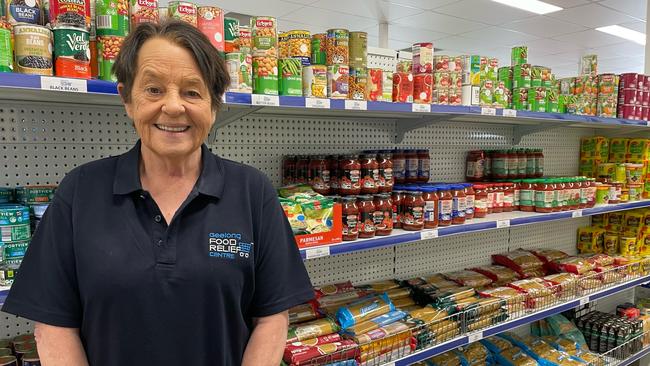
(561, 235)
(360, 267)
(11, 325)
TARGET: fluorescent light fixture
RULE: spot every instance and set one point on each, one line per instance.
(533, 6)
(625, 33)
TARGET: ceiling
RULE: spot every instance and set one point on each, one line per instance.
(556, 40)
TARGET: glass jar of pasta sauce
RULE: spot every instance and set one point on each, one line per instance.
(397, 197)
(445, 205)
(399, 166)
(413, 213)
(319, 174)
(350, 216)
(411, 158)
(480, 201)
(383, 215)
(386, 180)
(333, 163)
(424, 165)
(430, 197)
(366, 216)
(349, 181)
(369, 174)
(459, 204)
(470, 201)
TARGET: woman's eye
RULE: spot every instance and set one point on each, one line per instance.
(153, 90)
(194, 94)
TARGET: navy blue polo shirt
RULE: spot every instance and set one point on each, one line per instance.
(145, 292)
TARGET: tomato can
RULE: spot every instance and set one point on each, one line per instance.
(108, 47)
(231, 34)
(645, 113)
(210, 22)
(403, 87)
(423, 88)
(319, 49)
(6, 47)
(290, 76)
(629, 96)
(337, 47)
(112, 17)
(646, 82)
(423, 58)
(404, 66)
(440, 97)
(358, 49)
(21, 11)
(441, 79)
(374, 85)
(606, 106)
(33, 47)
(358, 83)
(71, 52)
(502, 97)
(646, 99)
(314, 81)
(639, 113)
(245, 40)
(143, 11)
(338, 79)
(387, 86)
(440, 63)
(626, 111)
(629, 80)
(455, 80)
(183, 10)
(265, 75)
(607, 84)
(239, 67)
(455, 96)
(74, 13)
(265, 36)
(297, 44)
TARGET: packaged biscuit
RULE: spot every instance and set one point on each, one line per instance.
(313, 329)
(364, 309)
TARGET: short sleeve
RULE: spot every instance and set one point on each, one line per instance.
(281, 280)
(45, 289)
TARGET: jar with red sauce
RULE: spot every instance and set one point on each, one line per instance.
(561, 193)
(445, 205)
(591, 192)
(497, 206)
(584, 187)
(544, 196)
(333, 164)
(512, 162)
(413, 216)
(522, 161)
(386, 180)
(411, 158)
(499, 164)
(383, 215)
(539, 162)
(302, 169)
(573, 189)
(517, 186)
(459, 204)
(430, 196)
(527, 195)
(369, 174)
(399, 166)
(475, 166)
(397, 197)
(489, 188)
(349, 182)
(289, 169)
(424, 165)
(366, 206)
(508, 196)
(470, 200)
(319, 174)
(480, 201)
(350, 216)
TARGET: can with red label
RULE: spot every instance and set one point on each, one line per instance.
(210, 23)
(628, 96)
(422, 88)
(184, 11)
(75, 13)
(629, 80)
(646, 99)
(644, 82)
(607, 84)
(441, 63)
(455, 96)
(265, 36)
(144, 11)
(639, 112)
(441, 79)
(455, 80)
(422, 58)
(626, 111)
(644, 113)
(441, 96)
(374, 86)
(403, 87)
(638, 100)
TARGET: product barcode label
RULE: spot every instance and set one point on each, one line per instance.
(317, 252)
(63, 84)
(487, 111)
(473, 337)
(510, 113)
(357, 105)
(266, 100)
(104, 22)
(428, 234)
(503, 223)
(317, 103)
(422, 108)
(576, 213)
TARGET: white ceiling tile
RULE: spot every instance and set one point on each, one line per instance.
(549, 46)
(592, 16)
(635, 8)
(619, 64)
(638, 26)
(499, 36)
(301, 2)
(549, 60)
(574, 54)
(461, 44)
(565, 4)
(408, 34)
(629, 49)
(589, 38)
(275, 8)
(324, 19)
(285, 25)
(543, 26)
(422, 4)
(484, 11)
(440, 23)
(375, 9)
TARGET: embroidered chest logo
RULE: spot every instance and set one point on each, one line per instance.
(228, 246)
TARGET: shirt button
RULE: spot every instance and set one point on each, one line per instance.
(160, 242)
(157, 218)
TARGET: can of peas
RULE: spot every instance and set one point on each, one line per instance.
(265, 75)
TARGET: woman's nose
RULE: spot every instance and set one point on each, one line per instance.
(173, 103)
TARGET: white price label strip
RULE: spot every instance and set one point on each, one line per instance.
(422, 108)
(648, 124)
(503, 223)
(63, 84)
(317, 103)
(510, 113)
(476, 336)
(317, 252)
(486, 111)
(265, 100)
(356, 105)
(576, 213)
(584, 301)
(428, 234)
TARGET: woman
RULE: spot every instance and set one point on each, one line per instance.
(168, 254)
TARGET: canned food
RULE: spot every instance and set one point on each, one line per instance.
(567, 86)
(34, 194)
(283, 46)
(297, 44)
(403, 87)
(94, 65)
(6, 49)
(486, 93)
(239, 67)
(5, 352)
(521, 76)
(423, 88)
(374, 85)
(607, 106)
(210, 22)
(423, 58)
(358, 83)
(646, 99)
(441, 79)
(589, 65)
(639, 113)
(13, 215)
(265, 37)
(358, 49)
(231, 34)
(144, 11)
(245, 41)
(455, 96)
(455, 80)
(75, 13)
(15, 250)
(71, 53)
(337, 47)
(163, 13)
(629, 80)
(441, 97)
(387, 86)
(8, 361)
(6, 195)
(183, 10)
(290, 76)
(626, 111)
(502, 96)
(21, 11)
(33, 44)
(112, 18)
(108, 47)
(519, 55)
(645, 113)
(338, 78)
(441, 63)
(607, 84)
(265, 75)
(31, 359)
(629, 96)
(537, 99)
(319, 49)
(314, 81)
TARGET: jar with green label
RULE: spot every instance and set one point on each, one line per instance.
(602, 194)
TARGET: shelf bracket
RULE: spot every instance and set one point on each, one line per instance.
(407, 125)
(229, 115)
(520, 132)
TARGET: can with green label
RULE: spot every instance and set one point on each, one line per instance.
(358, 50)
(240, 67)
(6, 49)
(537, 99)
(13, 215)
(319, 49)
(290, 76)
(505, 76)
(519, 55)
(231, 34)
(265, 75)
(15, 250)
(35, 194)
(521, 77)
(552, 100)
(6, 195)
(108, 47)
(112, 18)
(520, 99)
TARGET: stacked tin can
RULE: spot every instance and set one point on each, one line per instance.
(264, 50)
(607, 95)
(337, 60)
(314, 75)
(633, 96)
(422, 76)
(448, 73)
(480, 82)
(238, 54)
(358, 81)
(111, 27)
(295, 54)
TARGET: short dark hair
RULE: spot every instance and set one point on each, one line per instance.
(211, 63)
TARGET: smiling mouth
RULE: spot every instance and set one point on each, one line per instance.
(172, 129)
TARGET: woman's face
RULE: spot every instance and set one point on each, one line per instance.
(170, 102)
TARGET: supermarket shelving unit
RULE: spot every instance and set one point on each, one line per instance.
(45, 132)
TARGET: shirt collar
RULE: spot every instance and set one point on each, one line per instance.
(127, 173)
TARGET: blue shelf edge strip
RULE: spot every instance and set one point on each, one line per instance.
(635, 357)
(14, 80)
(384, 241)
(500, 328)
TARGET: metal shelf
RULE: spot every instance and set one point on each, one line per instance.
(492, 222)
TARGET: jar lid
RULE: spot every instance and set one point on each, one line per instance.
(398, 187)
(349, 199)
(349, 156)
(368, 156)
(385, 154)
(429, 189)
(443, 187)
(364, 197)
(414, 193)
